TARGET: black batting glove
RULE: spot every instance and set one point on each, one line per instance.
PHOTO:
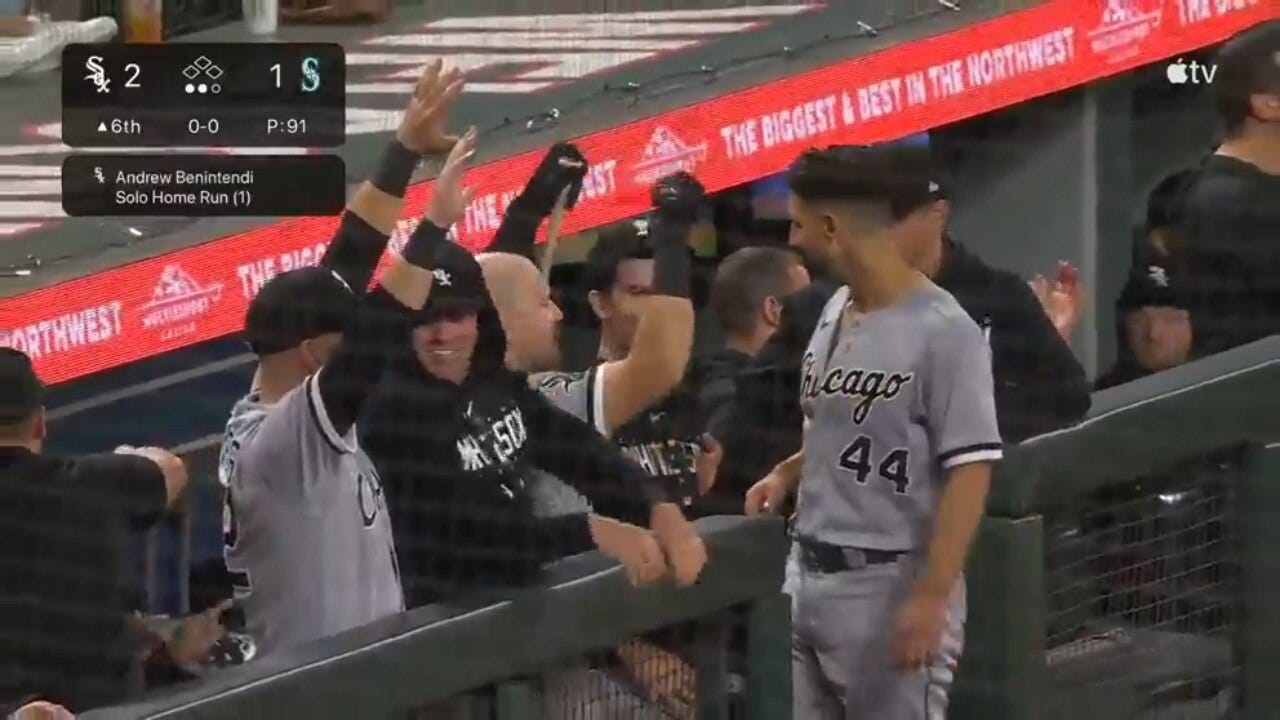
(564, 166)
(678, 197)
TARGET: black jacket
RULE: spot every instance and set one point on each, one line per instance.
(1225, 253)
(764, 424)
(456, 462)
(1039, 384)
(715, 376)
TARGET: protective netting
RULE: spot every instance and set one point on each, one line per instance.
(1144, 599)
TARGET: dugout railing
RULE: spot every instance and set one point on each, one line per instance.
(1126, 566)
(1125, 569)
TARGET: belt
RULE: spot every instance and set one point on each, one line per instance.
(818, 556)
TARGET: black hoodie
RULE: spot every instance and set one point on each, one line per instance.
(457, 460)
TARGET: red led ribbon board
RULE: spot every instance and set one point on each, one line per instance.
(171, 301)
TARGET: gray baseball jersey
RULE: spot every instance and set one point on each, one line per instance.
(580, 394)
(308, 539)
(893, 400)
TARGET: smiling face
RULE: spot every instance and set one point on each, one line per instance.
(444, 347)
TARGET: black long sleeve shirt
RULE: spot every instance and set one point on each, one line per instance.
(456, 462)
(1228, 257)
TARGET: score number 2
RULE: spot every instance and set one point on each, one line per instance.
(134, 71)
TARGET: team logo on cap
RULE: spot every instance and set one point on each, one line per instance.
(442, 277)
(1158, 276)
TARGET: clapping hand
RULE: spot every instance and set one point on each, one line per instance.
(1061, 299)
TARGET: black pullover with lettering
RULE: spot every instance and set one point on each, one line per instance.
(456, 462)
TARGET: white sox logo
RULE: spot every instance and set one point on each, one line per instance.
(369, 495)
(866, 385)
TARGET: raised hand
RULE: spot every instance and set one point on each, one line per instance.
(564, 166)
(449, 197)
(678, 196)
(1061, 299)
(423, 125)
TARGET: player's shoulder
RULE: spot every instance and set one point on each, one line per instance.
(834, 305)
(942, 313)
(245, 419)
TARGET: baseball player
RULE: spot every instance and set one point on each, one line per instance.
(893, 473)
(308, 541)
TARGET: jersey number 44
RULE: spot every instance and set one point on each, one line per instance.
(859, 457)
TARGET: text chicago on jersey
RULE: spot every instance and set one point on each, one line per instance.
(869, 385)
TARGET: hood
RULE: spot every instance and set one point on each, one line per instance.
(465, 288)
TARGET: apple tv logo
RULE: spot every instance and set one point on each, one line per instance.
(1195, 73)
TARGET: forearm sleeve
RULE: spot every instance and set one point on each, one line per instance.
(355, 251)
(379, 323)
(518, 231)
(672, 259)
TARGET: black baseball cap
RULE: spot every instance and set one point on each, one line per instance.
(458, 285)
(1151, 285)
(23, 391)
(295, 306)
(900, 173)
(615, 243)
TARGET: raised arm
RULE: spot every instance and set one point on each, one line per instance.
(381, 320)
(664, 336)
(371, 215)
(1051, 391)
(562, 167)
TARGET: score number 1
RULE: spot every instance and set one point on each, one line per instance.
(310, 75)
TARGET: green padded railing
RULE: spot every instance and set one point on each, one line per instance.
(433, 653)
(1135, 430)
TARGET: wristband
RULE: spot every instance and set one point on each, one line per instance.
(672, 265)
(394, 170)
(421, 247)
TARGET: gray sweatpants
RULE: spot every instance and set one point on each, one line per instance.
(841, 623)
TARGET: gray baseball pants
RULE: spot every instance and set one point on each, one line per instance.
(841, 625)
